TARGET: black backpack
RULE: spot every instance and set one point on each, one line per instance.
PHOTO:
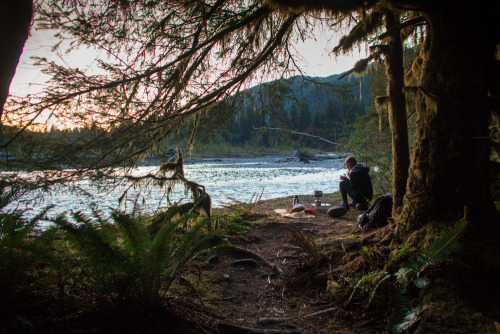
(378, 213)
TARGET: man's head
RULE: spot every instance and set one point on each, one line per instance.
(350, 162)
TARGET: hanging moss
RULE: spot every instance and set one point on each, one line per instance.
(382, 105)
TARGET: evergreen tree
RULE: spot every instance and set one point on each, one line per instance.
(304, 117)
(294, 117)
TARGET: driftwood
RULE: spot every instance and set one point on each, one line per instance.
(254, 255)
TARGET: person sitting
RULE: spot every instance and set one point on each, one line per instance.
(357, 184)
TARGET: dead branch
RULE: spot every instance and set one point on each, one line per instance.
(298, 133)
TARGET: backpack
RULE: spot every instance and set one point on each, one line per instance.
(378, 213)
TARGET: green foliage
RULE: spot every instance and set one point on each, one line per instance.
(232, 223)
(242, 208)
(122, 262)
(22, 248)
(371, 144)
(368, 282)
(437, 252)
(367, 252)
(401, 253)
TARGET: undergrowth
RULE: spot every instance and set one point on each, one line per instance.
(245, 210)
(406, 312)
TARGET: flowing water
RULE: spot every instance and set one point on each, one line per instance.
(242, 179)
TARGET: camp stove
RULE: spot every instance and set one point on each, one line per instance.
(317, 194)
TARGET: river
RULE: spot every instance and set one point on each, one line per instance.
(242, 179)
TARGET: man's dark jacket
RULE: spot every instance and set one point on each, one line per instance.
(361, 183)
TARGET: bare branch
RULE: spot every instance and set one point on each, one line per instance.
(298, 133)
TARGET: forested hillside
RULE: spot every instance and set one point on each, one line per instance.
(317, 106)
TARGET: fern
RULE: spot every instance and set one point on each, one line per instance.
(441, 249)
(411, 317)
(366, 281)
(437, 252)
(9, 193)
(22, 247)
(243, 208)
(121, 261)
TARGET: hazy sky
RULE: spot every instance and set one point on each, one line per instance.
(318, 60)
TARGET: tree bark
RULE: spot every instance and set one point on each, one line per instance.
(15, 22)
(451, 158)
(397, 110)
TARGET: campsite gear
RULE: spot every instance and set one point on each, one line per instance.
(317, 194)
(337, 211)
(378, 214)
(298, 207)
(296, 199)
(296, 215)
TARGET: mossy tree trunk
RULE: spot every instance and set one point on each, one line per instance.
(451, 157)
(15, 21)
(397, 110)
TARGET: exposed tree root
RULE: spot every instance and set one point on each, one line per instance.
(254, 255)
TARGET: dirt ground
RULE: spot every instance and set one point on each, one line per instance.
(275, 278)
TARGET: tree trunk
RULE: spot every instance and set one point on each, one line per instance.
(397, 111)
(15, 21)
(451, 159)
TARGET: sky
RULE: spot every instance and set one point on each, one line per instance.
(317, 59)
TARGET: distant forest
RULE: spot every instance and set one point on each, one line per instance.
(322, 107)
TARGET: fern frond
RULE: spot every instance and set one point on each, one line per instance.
(441, 249)
(102, 261)
(42, 214)
(437, 252)
(188, 246)
(9, 194)
(98, 214)
(134, 233)
(360, 280)
(386, 276)
(400, 309)
(409, 320)
(161, 253)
